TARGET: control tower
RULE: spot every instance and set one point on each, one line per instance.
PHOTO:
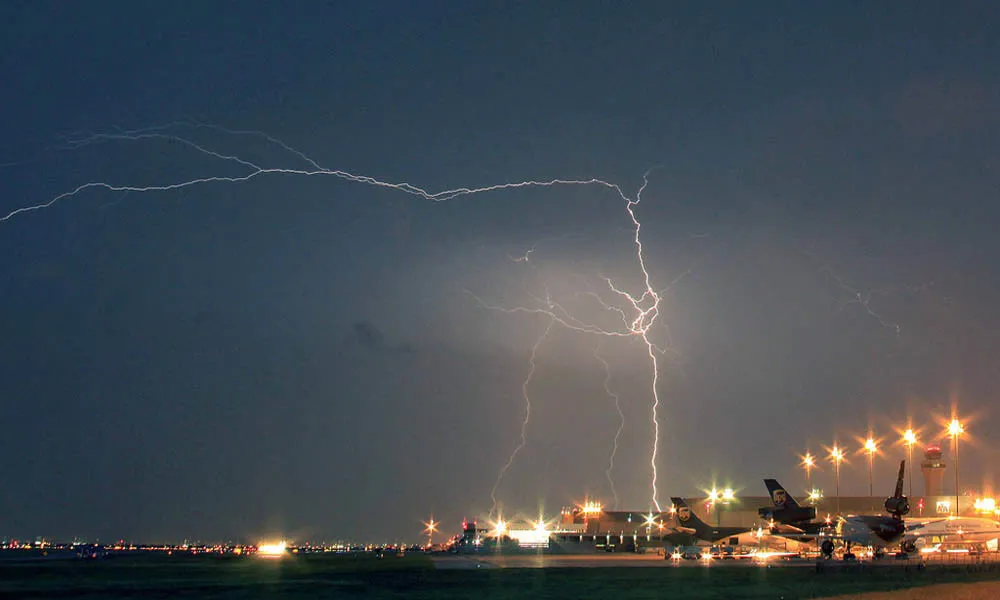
(933, 469)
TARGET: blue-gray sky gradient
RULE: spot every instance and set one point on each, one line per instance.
(300, 356)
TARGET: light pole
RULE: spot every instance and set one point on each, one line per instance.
(955, 430)
(837, 455)
(808, 462)
(910, 438)
(871, 448)
(430, 527)
(713, 498)
(650, 522)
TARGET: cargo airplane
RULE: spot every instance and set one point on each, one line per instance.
(875, 531)
(789, 519)
(689, 529)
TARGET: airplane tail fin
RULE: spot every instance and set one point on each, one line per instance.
(685, 517)
(899, 480)
(779, 497)
(898, 505)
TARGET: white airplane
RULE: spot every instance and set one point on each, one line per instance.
(948, 531)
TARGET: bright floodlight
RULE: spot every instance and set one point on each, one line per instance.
(815, 495)
(713, 495)
(809, 460)
(728, 494)
(271, 549)
(836, 454)
(909, 437)
(955, 428)
(650, 520)
(500, 528)
(870, 446)
(431, 526)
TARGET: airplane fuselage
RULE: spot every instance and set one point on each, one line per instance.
(877, 531)
(952, 530)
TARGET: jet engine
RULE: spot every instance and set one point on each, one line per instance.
(897, 506)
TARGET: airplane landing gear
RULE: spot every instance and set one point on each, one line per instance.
(879, 553)
(848, 555)
(908, 547)
(827, 549)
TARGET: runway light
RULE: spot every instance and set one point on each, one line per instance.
(272, 550)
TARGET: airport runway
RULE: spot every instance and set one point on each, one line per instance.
(545, 561)
(550, 561)
(555, 561)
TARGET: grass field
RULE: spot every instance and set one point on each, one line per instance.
(413, 576)
(980, 590)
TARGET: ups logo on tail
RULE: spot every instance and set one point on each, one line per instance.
(780, 497)
(683, 513)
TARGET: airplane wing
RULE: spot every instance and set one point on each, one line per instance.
(782, 529)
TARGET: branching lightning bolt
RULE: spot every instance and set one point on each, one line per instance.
(527, 415)
(643, 309)
(863, 298)
(255, 171)
(621, 421)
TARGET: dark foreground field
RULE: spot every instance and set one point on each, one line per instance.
(413, 576)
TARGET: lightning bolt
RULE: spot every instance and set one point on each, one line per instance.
(644, 311)
(621, 421)
(527, 415)
(644, 308)
(254, 171)
(864, 299)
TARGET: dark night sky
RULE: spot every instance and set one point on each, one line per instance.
(299, 356)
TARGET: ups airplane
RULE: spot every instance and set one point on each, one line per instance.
(785, 509)
(875, 531)
(790, 520)
(688, 529)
